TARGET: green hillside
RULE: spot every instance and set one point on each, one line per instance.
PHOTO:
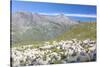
(81, 31)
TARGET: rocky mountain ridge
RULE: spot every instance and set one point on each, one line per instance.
(28, 26)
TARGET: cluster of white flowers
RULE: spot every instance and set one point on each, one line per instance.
(56, 53)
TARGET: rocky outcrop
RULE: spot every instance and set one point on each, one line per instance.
(56, 53)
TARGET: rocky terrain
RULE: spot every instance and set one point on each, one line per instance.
(62, 52)
(27, 26)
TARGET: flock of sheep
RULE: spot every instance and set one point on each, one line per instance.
(61, 52)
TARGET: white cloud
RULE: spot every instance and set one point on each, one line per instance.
(81, 15)
(74, 15)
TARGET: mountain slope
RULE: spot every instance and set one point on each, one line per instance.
(28, 27)
(81, 31)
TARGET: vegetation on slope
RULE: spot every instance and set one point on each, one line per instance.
(81, 31)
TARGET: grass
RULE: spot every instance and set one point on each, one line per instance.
(81, 31)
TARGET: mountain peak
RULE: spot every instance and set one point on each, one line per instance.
(35, 26)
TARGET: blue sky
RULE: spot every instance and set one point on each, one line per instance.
(78, 12)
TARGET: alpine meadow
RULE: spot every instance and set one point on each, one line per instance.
(52, 33)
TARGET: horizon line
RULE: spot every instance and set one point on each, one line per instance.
(66, 14)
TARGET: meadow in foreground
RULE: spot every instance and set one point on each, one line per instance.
(69, 51)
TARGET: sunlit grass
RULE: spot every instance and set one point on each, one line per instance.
(81, 31)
